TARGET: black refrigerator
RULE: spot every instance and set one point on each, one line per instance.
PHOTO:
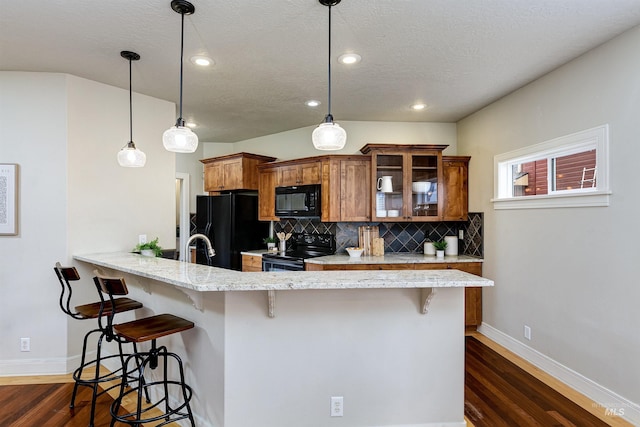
(231, 223)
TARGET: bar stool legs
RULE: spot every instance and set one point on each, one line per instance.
(167, 410)
(96, 310)
(172, 406)
(98, 382)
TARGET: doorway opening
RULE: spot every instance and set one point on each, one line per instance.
(183, 220)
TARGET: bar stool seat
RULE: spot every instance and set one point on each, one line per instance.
(92, 311)
(142, 330)
(95, 310)
(151, 328)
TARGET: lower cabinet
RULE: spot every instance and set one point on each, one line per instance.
(251, 262)
(472, 296)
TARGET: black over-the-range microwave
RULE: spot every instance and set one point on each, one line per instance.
(301, 201)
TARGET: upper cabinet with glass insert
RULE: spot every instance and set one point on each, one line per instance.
(407, 182)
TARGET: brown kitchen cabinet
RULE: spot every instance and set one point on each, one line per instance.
(232, 172)
(267, 179)
(251, 262)
(417, 184)
(344, 182)
(472, 296)
(406, 182)
(455, 172)
(305, 173)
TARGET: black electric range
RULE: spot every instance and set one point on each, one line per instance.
(299, 247)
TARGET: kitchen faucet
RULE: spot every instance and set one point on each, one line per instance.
(210, 249)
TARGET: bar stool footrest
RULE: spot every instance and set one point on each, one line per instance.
(145, 415)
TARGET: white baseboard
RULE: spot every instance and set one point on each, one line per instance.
(50, 366)
(608, 399)
(25, 367)
(452, 424)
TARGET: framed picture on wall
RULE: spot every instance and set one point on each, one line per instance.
(8, 199)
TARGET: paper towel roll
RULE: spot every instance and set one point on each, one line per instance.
(452, 245)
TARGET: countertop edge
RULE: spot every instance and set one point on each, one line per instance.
(204, 278)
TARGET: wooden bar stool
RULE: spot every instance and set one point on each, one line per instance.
(95, 310)
(141, 330)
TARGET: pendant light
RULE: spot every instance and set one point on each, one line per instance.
(179, 138)
(329, 135)
(129, 156)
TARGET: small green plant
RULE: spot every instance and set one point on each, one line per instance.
(269, 240)
(152, 245)
(440, 246)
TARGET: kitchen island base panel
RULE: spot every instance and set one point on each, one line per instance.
(362, 337)
(392, 365)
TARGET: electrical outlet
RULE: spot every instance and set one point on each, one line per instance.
(527, 332)
(142, 239)
(461, 234)
(25, 344)
(337, 406)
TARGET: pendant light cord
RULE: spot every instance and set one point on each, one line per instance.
(130, 105)
(180, 120)
(329, 116)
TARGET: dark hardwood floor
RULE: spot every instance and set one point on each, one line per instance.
(497, 394)
(47, 405)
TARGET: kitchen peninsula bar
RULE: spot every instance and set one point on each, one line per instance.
(391, 343)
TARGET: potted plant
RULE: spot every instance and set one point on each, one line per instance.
(440, 247)
(271, 242)
(149, 249)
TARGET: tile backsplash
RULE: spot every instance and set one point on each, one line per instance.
(398, 236)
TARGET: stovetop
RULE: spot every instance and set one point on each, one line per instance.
(303, 245)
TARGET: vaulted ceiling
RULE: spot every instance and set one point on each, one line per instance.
(455, 56)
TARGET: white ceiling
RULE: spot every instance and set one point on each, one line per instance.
(271, 55)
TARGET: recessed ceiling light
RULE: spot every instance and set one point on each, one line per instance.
(191, 124)
(312, 103)
(349, 58)
(418, 107)
(202, 61)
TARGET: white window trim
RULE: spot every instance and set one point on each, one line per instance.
(597, 137)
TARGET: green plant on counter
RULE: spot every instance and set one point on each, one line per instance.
(440, 246)
(152, 245)
(269, 240)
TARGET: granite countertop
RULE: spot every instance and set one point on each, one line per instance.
(204, 278)
(388, 258)
(257, 252)
(391, 258)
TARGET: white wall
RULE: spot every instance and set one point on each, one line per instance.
(65, 133)
(570, 273)
(33, 134)
(297, 143)
(190, 164)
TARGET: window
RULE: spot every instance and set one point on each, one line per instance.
(569, 171)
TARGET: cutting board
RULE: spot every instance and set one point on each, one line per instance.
(377, 248)
(366, 234)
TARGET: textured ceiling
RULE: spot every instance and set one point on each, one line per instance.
(271, 56)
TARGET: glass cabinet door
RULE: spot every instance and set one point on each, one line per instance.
(406, 183)
(389, 182)
(424, 186)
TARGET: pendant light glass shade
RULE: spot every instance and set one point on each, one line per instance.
(179, 138)
(329, 135)
(129, 156)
